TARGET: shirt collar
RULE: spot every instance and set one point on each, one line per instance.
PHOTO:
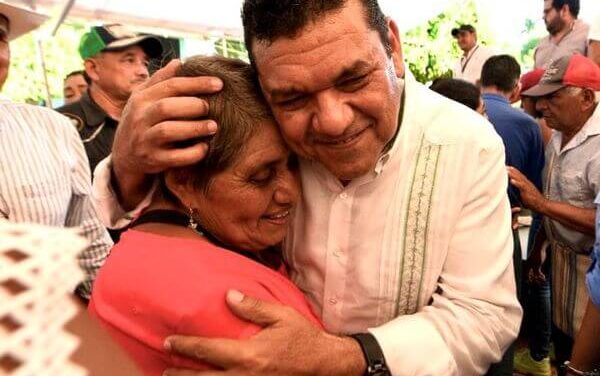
(471, 52)
(94, 115)
(495, 97)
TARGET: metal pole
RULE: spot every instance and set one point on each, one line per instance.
(45, 72)
(63, 15)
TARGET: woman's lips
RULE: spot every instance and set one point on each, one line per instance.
(279, 217)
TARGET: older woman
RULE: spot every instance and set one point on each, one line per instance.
(210, 227)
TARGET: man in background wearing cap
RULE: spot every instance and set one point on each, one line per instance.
(529, 80)
(116, 61)
(566, 34)
(468, 67)
(567, 101)
(45, 174)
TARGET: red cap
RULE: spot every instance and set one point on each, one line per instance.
(531, 78)
(574, 70)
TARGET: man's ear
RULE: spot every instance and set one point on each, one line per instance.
(565, 10)
(91, 68)
(515, 95)
(395, 47)
(589, 99)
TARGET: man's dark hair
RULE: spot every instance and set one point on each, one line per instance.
(460, 91)
(573, 6)
(267, 20)
(501, 71)
(81, 72)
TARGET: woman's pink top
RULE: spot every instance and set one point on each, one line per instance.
(153, 286)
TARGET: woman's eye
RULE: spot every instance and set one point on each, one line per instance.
(262, 177)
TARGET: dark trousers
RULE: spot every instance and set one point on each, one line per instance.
(538, 312)
(537, 307)
(505, 366)
(563, 347)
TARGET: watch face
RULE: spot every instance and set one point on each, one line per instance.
(378, 369)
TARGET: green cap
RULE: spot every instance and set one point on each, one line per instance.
(115, 37)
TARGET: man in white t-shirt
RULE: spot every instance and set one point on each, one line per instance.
(468, 67)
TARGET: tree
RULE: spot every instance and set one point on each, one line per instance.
(26, 79)
(430, 49)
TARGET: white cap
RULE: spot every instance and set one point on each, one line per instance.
(20, 20)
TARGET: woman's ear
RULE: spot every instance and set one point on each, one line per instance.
(180, 187)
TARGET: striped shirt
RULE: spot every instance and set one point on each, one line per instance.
(45, 179)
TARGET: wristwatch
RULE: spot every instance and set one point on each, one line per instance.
(569, 369)
(376, 365)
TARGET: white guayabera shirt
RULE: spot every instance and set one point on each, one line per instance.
(419, 251)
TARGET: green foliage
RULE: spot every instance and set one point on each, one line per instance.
(26, 79)
(430, 49)
(528, 51)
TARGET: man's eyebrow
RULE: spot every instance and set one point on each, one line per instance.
(357, 68)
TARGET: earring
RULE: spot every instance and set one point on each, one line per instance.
(192, 222)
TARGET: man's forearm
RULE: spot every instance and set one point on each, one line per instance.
(576, 218)
(586, 352)
(130, 189)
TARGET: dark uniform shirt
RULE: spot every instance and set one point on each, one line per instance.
(96, 128)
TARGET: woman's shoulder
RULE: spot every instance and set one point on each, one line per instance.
(179, 286)
(183, 274)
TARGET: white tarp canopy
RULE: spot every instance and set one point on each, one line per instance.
(186, 17)
(206, 17)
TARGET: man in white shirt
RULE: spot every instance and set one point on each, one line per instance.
(567, 35)
(468, 67)
(45, 176)
(404, 231)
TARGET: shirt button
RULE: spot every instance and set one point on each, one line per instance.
(337, 253)
(343, 195)
(333, 301)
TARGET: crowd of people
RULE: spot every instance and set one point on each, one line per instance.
(317, 211)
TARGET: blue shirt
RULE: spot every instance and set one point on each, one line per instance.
(522, 140)
(593, 276)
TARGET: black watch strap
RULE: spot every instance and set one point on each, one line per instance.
(376, 365)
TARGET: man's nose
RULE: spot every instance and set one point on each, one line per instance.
(332, 115)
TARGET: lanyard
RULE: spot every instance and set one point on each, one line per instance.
(464, 66)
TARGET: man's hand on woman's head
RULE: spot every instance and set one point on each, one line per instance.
(160, 115)
(288, 344)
